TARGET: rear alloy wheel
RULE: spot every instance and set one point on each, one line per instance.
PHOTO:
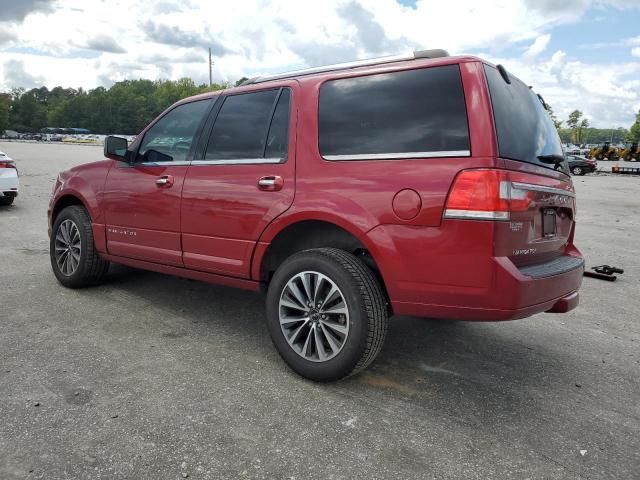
(74, 259)
(577, 170)
(326, 314)
(314, 317)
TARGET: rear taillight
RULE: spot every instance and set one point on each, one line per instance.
(7, 164)
(491, 194)
(480, 195)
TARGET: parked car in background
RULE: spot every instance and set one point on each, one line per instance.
(9, 182)
(418, 186)
(580, 165)
(575, 150)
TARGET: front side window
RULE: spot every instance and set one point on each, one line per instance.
(406, 114)
(170, 139)
(251, 127)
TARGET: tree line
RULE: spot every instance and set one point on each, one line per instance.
(578, 131)
(125, 108)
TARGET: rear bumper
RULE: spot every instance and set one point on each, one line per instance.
(459, 312)
(565, 304)
(9, 185)
(461, 280)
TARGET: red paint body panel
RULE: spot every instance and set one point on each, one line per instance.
(224, 211)
(186, 273)
(215, 224)
(143, 218)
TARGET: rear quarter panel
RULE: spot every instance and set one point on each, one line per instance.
(358, 195)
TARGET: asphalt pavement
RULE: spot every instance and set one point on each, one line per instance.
(154, 377)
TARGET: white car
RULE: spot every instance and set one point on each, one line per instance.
(9, 183)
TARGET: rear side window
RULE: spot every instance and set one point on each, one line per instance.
(413, 113)
(250, 126)
(524, 128)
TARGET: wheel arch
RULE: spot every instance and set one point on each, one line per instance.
(67, 200)
(299, 234)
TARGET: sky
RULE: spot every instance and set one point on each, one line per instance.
(579, 54)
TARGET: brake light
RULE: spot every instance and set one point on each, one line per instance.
(7, 164)
(480, 195)
(485, 194)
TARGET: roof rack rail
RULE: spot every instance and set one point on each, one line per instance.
(435, 53)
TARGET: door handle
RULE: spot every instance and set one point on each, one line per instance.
(271, 183)
(165, 181)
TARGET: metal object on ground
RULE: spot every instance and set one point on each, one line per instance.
(625, 170)
(604, 272)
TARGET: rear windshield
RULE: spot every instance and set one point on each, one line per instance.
(525, 129)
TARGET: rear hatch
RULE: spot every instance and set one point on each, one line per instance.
(538, 238)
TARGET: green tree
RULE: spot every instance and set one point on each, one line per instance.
(240, 81)
(634, 132)
(554, 119)
(5, 105)
(125, 108)
(578, 126)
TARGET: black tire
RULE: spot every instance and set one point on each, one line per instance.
(91, 268)
(6, 201)
(627, 157)
(577, 170)
(600, 157)
(366, 304)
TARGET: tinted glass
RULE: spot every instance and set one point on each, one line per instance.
(525, 129)
(400, 112)
(240, 129)
(171, 137)
(278, 138)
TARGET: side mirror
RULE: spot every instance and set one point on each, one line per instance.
(115, 148)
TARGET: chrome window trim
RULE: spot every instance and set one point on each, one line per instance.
(391, 156)
(181, 163)
(541, 188)
(238, 161)
(230, 161)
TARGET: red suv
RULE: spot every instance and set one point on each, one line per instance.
(431, 185)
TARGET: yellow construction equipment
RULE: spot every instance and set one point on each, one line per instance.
(604, 152)
(631, 152)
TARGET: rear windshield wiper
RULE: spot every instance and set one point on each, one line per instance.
(552, 158)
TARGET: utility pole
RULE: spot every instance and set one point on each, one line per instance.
(210, 69)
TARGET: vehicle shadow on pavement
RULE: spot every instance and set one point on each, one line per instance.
(505, 369)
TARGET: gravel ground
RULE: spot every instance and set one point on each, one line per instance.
(150, 376)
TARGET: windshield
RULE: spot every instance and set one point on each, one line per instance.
(525, 129)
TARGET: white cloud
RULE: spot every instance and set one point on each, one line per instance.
(607, 100)
(635, 52)
(538, 46)
(88, 43)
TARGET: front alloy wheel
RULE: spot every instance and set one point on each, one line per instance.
(68, 247)
(74, 259)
